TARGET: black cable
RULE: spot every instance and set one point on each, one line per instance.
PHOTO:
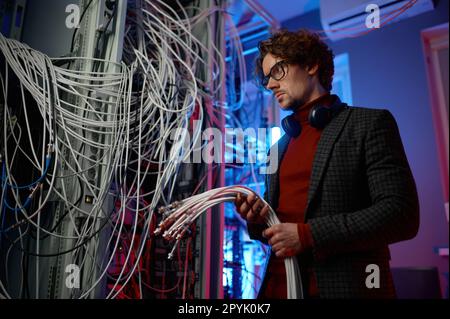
(76, 29)
(25, 267)
(78, 201)
(24, 285)
(102, 37)
(26, 251)
(107, 219)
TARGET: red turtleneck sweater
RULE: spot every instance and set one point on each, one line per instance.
(295, 173)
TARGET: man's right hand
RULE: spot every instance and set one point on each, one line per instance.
(251, 208)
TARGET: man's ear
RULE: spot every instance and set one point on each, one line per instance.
(313, 69)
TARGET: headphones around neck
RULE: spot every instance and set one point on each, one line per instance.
(319, 116)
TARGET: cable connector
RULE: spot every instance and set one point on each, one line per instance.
(12, 227)
(169, 209)
(34, 190)
(170, 256)
(167, 235)
(50, 149)
(186, 229)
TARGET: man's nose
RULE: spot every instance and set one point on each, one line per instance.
(272, 84)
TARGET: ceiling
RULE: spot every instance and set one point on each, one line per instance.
(283, 10)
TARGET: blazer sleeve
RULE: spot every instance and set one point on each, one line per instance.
(394, 213)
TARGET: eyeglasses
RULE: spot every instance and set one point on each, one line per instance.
(277, 72)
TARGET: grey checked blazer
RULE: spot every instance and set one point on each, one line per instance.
(362, 197)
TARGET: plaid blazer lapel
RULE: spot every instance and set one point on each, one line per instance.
(329, 136)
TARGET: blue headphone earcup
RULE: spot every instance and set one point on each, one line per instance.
(291, 126)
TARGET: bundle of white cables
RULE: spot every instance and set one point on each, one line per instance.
(179, 215)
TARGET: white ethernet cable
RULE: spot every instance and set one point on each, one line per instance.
(179, 215)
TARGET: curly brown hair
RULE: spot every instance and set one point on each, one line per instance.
(302, 47)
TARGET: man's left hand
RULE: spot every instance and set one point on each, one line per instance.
(284, 239)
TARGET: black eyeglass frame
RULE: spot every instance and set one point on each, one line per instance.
(266, 78)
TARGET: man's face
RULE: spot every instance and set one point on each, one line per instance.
(294, 88)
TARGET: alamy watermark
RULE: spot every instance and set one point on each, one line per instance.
(231, 146)
(73, 17)
(373, 19)
(373, 279)
(73, 277)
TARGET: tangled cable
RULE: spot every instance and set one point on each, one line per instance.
(106, 129)
(179, 215)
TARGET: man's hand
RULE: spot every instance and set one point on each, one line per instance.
(284, 239)
(251, 208)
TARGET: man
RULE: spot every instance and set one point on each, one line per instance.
(343, 190)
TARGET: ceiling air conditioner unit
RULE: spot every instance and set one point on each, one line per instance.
(345, 18)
